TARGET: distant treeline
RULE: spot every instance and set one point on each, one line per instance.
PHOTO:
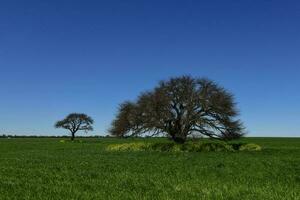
(67, 136)
(40, 136)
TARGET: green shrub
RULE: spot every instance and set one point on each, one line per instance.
(206, 147)
(187, 147)
(250, 147)
(217, 147)
(172, 147)
(213, 147)
(128, 147)
(162, 146)
(190, 147)
(237, 145)
(177, 148)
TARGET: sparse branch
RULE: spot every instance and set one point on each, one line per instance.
(179, 107)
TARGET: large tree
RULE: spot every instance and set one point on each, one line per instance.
(179, 107)
(76, 122)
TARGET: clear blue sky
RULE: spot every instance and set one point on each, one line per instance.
(58, 57)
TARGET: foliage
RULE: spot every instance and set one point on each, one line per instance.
(164, 146)
(76, 122)
(71, 141)
(186, 147)
(137, 146)
(209, 147)
(236, 145)
(178, 108)
(250, 147)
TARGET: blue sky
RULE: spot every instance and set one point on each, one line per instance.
(58, 57)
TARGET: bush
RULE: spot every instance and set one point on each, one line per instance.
(128, 147)
(172, 147)
(215, 147)
(162, 146)
(236, 145)
(250, 147)
(207, 147)
(187, 147)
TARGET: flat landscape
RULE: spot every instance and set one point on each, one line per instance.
(46, 168)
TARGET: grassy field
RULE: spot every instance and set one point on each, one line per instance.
(48, 169)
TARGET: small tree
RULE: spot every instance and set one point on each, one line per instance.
(180, 107)
(76, 122)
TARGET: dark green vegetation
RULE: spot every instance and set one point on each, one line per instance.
(50, 169)
(190, 146)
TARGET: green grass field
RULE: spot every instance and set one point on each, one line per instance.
(47, 169)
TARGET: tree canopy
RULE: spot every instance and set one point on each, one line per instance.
(76, 122)
(179, 107)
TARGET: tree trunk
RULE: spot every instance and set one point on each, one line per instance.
(178, 138)
(177, 134)
(73, 136)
